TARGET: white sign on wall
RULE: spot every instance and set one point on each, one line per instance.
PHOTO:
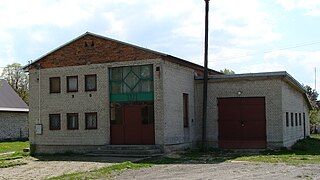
(38, 129)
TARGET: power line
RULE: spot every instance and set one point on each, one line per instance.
(266, 52)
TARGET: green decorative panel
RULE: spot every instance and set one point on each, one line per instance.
(131, 97)
(131, 83)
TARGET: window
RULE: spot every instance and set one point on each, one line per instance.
(72, 121)
(296, 115)
(116, 114)
(148, 115)
(54, 84)
(287, 119)
(299, 119)
(54, 122)
(91, 120)
(185, 110)
(291, 119)
(131, 79)
(91, 82)
(72, 83)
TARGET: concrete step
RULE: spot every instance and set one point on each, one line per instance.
(127, 147)
(127, 151)
(130, 151)
(122, 155)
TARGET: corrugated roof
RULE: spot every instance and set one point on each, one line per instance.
(9, 99)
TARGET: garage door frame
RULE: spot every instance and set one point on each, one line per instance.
(242, 123)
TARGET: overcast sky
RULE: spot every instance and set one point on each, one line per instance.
(246, 36)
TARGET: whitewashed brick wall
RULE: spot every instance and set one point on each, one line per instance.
(13, 125)
(176, 81)
(277, 99)
(293, 102)
(81, 102)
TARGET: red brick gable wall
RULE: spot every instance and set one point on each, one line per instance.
(95, 50)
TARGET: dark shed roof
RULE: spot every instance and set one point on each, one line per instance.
(9, 99)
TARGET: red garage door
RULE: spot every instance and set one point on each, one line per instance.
(242, 123)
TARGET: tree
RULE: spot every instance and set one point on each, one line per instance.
(314, 113)
(314, 119)
(17, 79)
(227, 71)
(313, 95)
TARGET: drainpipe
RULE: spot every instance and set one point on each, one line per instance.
(205, 78)
(39, 95)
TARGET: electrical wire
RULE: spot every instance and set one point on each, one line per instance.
(265, 52)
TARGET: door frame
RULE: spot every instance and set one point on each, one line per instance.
(242, 141)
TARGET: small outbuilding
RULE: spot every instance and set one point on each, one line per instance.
(13, 114)
(255, 110)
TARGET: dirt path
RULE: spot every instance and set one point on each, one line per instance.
(45, 168)
(227, 170)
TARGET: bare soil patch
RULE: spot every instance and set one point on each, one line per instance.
(51, 166)
(226, 170)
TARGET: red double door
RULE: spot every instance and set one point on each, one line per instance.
(242, 123)
(133, 130)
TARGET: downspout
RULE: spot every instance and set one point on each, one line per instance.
(39, 94)
(205, 78)
(304, 126)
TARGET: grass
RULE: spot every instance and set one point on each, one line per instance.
(13, 146)
(106, 172)
(17, 148)
(306, 151)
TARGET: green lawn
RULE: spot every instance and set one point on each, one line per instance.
(305, 151)
(17, 148)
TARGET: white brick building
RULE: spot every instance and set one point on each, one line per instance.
(284, 112)
(95, 91)
(13, 114)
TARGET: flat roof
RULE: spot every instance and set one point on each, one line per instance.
(277, 74)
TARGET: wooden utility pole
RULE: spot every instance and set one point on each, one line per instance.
(205, 79)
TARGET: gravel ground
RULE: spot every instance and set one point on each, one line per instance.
(226, 170)
(45, 168)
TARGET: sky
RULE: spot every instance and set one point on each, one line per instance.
(246, 36)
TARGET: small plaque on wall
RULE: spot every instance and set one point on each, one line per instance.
(38, 129)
